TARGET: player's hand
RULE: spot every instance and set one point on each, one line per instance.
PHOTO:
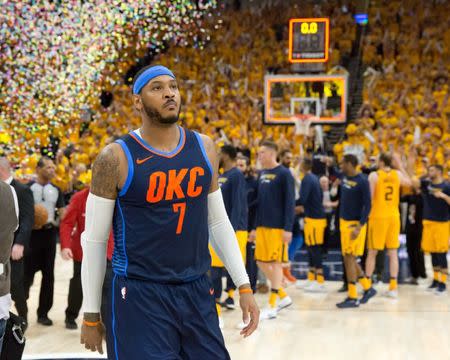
(299, 210)
(287, 236)
(355, 233)
(66, 254)
(252, 236)
(250, 313)
(438, 194)
(17, 252)
(92, 337)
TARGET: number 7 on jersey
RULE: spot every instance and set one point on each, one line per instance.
(180, 208)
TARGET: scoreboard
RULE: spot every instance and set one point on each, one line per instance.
(309, 40)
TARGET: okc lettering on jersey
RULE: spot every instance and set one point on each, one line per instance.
(164, 186)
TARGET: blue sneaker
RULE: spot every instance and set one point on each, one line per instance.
(348, 304)
(368, 295)
(441, 289)
(229, 303)
(434, 285)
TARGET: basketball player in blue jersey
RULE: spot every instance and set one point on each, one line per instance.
(158, 187)
(311, 204)
(274, 221)
(243, 164)
(234, 192)
(355, 203)
(436, 223)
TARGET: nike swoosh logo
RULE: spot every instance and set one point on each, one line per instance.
(211, 291)
(141, 161)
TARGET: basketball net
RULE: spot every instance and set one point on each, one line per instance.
(302, 123)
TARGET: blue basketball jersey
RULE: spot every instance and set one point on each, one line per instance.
(161, 216)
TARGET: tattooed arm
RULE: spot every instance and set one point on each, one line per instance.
(107, 172)
(108, 176)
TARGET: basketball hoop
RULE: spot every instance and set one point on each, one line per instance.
(302, 123)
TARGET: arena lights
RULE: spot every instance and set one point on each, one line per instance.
(361, 19)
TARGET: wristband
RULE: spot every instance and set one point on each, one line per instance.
(91, 323)
(245, 291)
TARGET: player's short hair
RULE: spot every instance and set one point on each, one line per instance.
(245, 158)
(270, 144)
(229, 150)
(438, 167)
(284, 152)
(42, 160)
(307, 163)
(386, 159)
(351, 159)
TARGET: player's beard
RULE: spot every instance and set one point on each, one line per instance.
(155, 116)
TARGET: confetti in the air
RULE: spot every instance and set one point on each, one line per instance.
(55, 57)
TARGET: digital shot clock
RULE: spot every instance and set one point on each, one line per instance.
(309, 40)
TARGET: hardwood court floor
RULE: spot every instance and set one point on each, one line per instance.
(416, 326)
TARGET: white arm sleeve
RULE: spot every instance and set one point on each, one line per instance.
(223, 239)
(94, 239)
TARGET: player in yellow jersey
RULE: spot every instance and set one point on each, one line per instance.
(384, 219)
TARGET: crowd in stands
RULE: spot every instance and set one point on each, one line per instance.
(222, 88)
(406, 100)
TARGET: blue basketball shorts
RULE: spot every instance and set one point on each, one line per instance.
(152, 321)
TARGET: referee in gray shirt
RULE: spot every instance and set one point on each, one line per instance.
(41, 255)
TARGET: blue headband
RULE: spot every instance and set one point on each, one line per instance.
(148, 75)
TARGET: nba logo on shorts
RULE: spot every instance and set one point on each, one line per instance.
(124, 292)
